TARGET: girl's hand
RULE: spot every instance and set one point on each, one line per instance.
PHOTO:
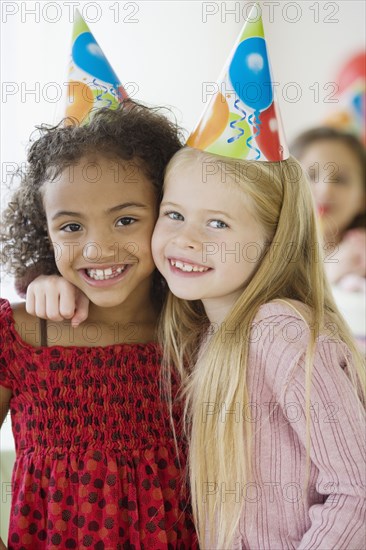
(354, 244)
(52, 297)
(351, 256)
(2, 545)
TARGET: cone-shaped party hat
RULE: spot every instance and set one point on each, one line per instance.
(92, 83)
(242, 119)
(350, 114)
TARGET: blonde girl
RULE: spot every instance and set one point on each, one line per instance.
(272, 379)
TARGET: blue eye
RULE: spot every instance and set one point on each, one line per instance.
(174, 215)
(71, 227)
(126, 220)
(219, 224)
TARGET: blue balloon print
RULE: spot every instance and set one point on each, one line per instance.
(357, 103)
(250, 74)
(88, 55)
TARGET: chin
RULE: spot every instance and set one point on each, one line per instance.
(185, 294)
(106, 301)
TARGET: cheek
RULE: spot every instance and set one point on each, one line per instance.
(157, 242)
(359, 198)
(66, 253)
(141, 239)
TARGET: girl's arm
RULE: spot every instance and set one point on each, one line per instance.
(5, 395)
(52, 297)
(337, 449)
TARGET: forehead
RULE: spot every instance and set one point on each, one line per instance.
(93, 168)
(332, 150)
(96, 181)
(95, 173)
(205, 184)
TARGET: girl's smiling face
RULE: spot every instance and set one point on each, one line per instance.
(337, 181)
(100, 216)
(206, 242)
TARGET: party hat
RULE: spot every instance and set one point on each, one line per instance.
(92, 83)
(350, 114)
(242, 120)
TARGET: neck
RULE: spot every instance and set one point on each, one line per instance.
(137, 311)
(122, 313)
(217, 309)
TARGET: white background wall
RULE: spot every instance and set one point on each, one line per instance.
(168, 50)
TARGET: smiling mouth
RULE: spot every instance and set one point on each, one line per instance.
(105, 274)
(187, 267)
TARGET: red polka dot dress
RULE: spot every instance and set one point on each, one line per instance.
(96, 465)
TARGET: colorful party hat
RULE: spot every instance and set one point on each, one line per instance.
(242, 119)
(92, 83)
(350, 114)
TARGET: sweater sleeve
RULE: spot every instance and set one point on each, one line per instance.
(337, 447)
(7, 353)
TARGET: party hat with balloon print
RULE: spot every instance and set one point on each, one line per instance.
(350, 113)
(92, 83)
(242, 118)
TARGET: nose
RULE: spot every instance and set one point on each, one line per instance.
(187, 238)
(100, 246)
(323, 188)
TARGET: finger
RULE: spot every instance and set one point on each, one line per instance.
(40, 305)
(52, 301)
(67, 301)
(82, 309)
(30, 302)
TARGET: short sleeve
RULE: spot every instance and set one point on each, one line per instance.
(7, 352)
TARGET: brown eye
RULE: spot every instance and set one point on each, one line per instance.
(341, 179)
(71, 227)
(126, 220)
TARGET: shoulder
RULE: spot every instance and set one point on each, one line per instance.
(7, 350)
(6, 315)
(281, 335)
(282, 324)
(284, 308)
(8, 310)
(15, 322)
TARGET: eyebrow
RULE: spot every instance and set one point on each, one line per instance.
(61, 213)
(219, 212)
(216, 212)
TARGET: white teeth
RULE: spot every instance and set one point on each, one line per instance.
(188, 267)
(102, 274)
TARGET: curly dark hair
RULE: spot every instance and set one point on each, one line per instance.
(323, 133)
(132, 132)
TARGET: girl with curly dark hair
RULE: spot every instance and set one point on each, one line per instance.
(97, 463)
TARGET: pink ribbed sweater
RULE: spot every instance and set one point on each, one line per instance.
(278, 514)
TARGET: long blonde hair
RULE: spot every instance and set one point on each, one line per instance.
(221, 451)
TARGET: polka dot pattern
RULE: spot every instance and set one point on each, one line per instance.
(96, 464)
